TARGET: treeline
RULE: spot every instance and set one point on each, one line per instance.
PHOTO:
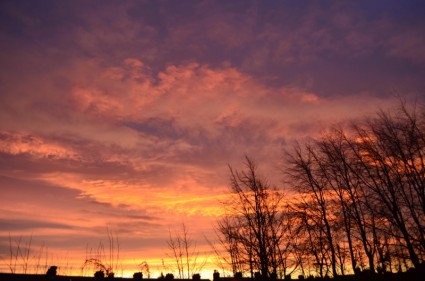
(354, 200)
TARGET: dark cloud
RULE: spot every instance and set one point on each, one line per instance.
(158, 127)
(30, 225)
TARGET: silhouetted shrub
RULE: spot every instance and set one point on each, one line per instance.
(51, 272)
(169, 276)
(216, 275)
(196, 277)
(99, 275)
(138, 276)
(238, 275)
(357, 271)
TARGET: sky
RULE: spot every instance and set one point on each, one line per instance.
(124, 115)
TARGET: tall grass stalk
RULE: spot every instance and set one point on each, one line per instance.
(100, 261)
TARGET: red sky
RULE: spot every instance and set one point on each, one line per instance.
(125, 114)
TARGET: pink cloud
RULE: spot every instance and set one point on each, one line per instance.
(21, 143)
(188, 93)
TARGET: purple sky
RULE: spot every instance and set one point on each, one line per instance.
(126, 113)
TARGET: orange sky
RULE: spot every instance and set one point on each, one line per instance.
(125, 116)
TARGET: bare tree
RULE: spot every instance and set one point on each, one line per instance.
(305, 169)
(344, 178)
(391, 150)
(184, 251)
(24, 257)
(228, 240)
(369, 182)
(256, 227)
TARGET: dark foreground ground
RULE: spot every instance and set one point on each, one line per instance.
(404, 276)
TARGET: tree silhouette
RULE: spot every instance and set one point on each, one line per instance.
(363, 187)
(256, 225)
(184, 252)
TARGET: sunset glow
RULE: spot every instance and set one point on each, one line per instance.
(124, 115)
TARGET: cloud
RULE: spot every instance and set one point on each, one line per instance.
(127, 120)
(20, 143)
(30, 225)
(406, 44)
(184, 94)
